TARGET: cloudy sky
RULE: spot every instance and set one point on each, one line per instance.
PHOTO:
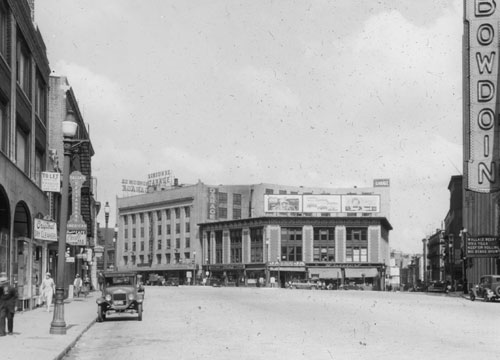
(314, 93)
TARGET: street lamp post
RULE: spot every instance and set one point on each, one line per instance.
(115, 245)
(279, 271)
(58, 325)
(106, 218)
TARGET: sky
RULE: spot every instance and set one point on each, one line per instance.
(315, 93)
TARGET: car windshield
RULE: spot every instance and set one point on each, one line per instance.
(119, 280)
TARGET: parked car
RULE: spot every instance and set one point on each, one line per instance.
(351, 286)
(488, 288)
(121, 293)
(437, 286)
(303, 284)
(173, 281)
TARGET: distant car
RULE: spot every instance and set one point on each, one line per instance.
(488, 288)
(214, 282)
(350, 287)
(303, 284)
(437, 286)
(172, 282)
(121, 293)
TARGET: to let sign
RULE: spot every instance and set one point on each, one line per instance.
(51, 181)
(483, 246)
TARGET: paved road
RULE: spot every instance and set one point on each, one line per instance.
(245, 323)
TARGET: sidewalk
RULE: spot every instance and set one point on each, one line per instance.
(32, 338)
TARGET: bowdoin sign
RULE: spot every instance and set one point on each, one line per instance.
(482, 18)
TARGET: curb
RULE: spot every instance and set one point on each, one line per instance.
(72, 344)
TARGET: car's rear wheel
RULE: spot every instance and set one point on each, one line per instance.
(497, 290)
(139, 312)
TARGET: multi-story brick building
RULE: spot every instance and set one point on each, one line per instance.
(24, 79)
(243, 233)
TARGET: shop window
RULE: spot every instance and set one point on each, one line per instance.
(256, 245)
(218, 247)
(236, 245)
(291, 244)
(324, 244)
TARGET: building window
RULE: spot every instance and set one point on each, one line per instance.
(356, 244)
(188, 227)
(22, 150)
(177, 243)
(142, 232)
(236, 245)
(159, 229)
(125, 260)
(134, 233)
(223, 213)
(134, 246)
(256, 245)
(126, 233)
(158, 258)
(187, 242)
(39, 166)
(4, 126)
(133, 260)
(167, 258)
(324, 244)
(142, 245)
(159, 245)
(158, 215)
(218, 247)
(236, 199)
(133, 219)
(236, 213)
(168, 244)
(269, 191)
(141, 259)
(177, 257)
(167, 213)
(209, 249)
(168, 229)
(4, 32)
(282, 192)
(291, 244)
(41, 99)
(177, 213)
(222, 197)
(187, 211)
(177, 228)
(187, 256)
(125, 220)
(141, 217)
(126, 246)
(23, 65)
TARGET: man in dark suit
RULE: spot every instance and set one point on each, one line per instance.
(8, 299)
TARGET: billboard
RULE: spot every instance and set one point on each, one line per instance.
(322, 203)
(482, 246)
(481, 96)
(161, 178)
(361, 203)
(134, 186)
(45, 230)
(283, 203)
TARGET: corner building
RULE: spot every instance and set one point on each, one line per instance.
(252, 235)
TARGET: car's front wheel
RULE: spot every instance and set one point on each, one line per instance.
(139, 312)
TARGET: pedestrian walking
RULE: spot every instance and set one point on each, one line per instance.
(77, 285)
(48, 290)
(8, 299)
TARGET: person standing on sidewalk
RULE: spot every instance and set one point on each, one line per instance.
(48, 290)
(77, 285)
(8, 299)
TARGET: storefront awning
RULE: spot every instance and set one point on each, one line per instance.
(360, 272)
(325, 273)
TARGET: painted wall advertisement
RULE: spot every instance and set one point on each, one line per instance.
(213, 203)
(481, 56)
(483, 246)
(322, 203)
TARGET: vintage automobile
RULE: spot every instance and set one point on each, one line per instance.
(122, 292)
(303, 284)
(488, 288)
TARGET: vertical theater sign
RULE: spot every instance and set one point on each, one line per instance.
(482, 25)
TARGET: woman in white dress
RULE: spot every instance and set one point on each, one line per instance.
(48, 289)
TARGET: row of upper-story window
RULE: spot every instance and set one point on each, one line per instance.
(174, 213)
(28, 77)
(177, 258)
(222, 209)
(186, 244)
(291, 244)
